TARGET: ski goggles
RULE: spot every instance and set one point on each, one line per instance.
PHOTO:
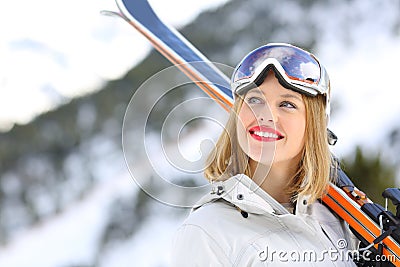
(295, 68)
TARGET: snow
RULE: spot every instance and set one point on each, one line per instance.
(70, 238)
(155, 253)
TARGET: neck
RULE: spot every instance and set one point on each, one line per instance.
(274, 179)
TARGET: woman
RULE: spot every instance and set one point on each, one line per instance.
(268, 171)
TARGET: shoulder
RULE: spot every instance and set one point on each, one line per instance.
(216, 219)
(197, 240)
(209, 212)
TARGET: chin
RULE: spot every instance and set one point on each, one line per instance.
(263, 159)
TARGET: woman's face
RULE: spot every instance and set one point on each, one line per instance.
(271, 123)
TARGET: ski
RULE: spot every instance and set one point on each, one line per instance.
(376, 227)
(173, 46)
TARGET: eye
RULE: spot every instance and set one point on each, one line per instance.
(287, 104)
(254, 100)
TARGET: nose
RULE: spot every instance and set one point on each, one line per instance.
(268, 115)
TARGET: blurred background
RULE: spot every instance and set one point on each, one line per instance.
(67, 76)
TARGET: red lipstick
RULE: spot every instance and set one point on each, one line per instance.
(265, 134)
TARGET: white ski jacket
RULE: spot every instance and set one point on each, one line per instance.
(238, 224)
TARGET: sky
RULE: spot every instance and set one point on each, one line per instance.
(52, 51)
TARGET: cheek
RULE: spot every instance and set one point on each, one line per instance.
(241, 130)
(245, 116)
(297, 129)
(302, 127)
(244, 120)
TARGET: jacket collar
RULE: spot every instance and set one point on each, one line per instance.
(242, 192)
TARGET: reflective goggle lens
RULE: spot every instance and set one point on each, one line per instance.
(300, 68)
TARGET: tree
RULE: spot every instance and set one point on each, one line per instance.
(369, 173)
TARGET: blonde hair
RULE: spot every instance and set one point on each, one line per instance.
(313, 173)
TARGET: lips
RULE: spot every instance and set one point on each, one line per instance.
(265, 134)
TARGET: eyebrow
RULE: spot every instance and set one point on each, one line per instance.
(287, 95)
(255, 90)
(291, 96)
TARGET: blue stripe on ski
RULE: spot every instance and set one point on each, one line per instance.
(141, 11)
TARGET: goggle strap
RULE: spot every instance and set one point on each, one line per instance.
(263, 74)
(288, 85)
